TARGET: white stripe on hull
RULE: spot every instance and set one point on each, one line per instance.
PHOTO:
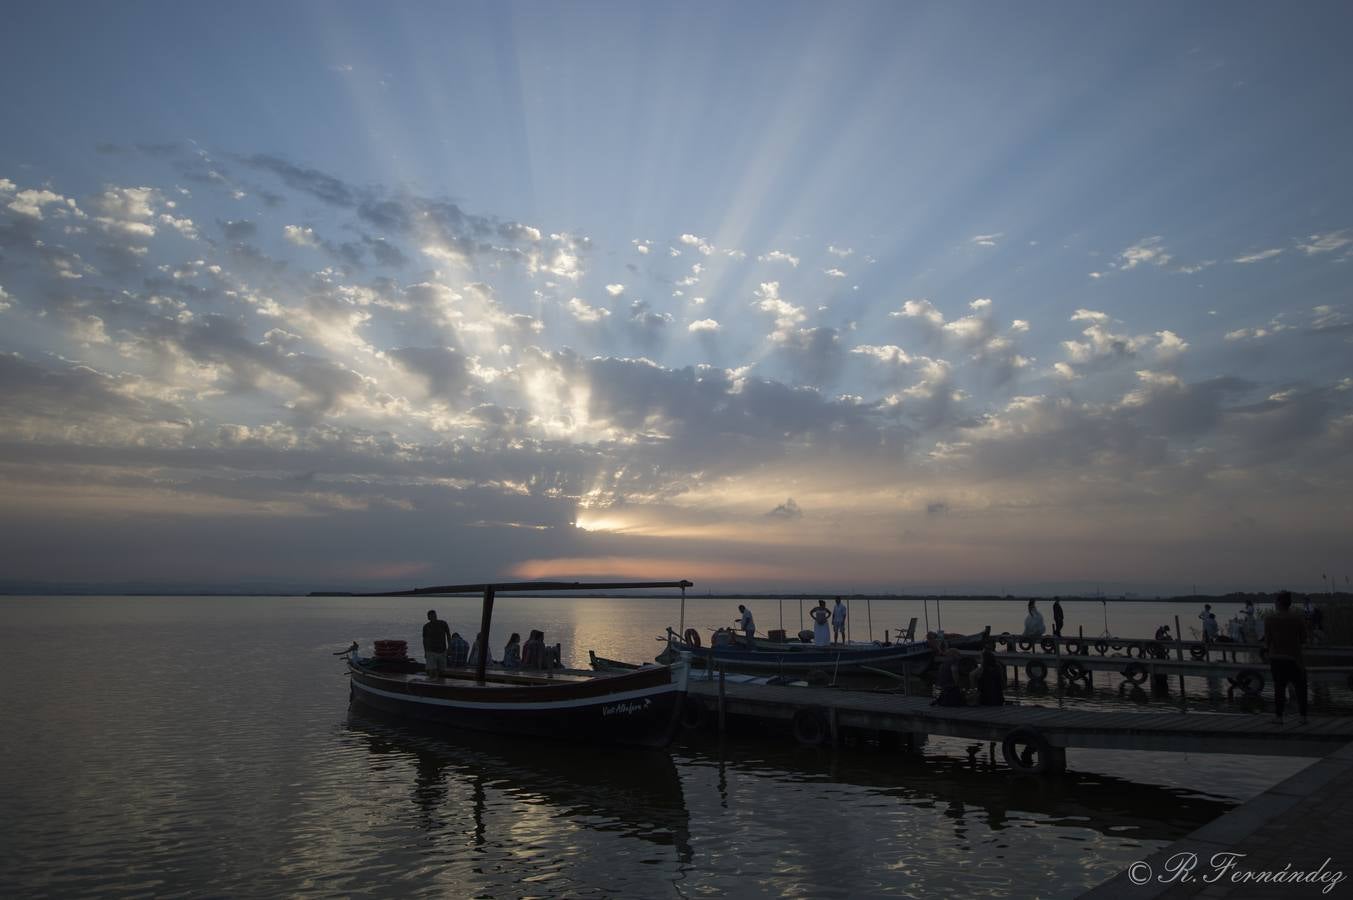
(600, 700)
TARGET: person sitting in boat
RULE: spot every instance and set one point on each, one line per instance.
(533, 651)
(991, 680)
(436, 637)
(947, 681)
(457, 652)
(512, 652)
(746, 624)
(473, 659)
(821, 616)
(839, 622)
(1033, 622)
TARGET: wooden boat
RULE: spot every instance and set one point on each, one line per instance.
(641, 707)
(797, 658)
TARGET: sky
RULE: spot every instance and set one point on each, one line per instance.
(916, 297)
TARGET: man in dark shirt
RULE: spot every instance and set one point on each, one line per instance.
(1284, 633)
(436, 638)
(1058, 619)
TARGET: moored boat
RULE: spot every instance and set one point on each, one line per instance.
(626, 707)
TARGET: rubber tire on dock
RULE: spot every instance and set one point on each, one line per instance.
(1076, 648)
(1155, 650)
(811, 727)
(1198, 653)
(1072, 671)
(1025, 646)
(693, 712)
(1101, 647)
(1134, 672)
(1248, 681)
(1049, 645)
(1037, 670)
(692, 637)
(1022, 762)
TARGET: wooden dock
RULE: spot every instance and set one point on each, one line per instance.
(1034, 739)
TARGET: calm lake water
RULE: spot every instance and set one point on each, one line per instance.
(193, 746)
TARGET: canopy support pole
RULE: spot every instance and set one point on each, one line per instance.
(485, 618)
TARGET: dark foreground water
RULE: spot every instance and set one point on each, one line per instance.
(204, 747)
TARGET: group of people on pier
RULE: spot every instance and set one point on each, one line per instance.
(445, 649)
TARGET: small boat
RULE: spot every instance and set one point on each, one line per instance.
(640, 707)
(731, 653)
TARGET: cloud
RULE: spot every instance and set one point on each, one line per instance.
(300, 235)
(642, 246)
(1328, 242)
(699, 243)
(237, 229)
(1148, 251)
(788, 510)
(703, 325)
(615, 290)
(1258, 256)
(842, 252)
(833, 273)
(787, 315)
(986, 240)
(32, 202)
(317, 184)
(779, 256)
(588, 314)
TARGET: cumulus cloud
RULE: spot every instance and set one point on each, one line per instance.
(787, 315)
(834, 273)
(699, 243)
(986, 240)
(787, 510)
(842, 252)
(615, 290)
(580, 310)
(703, 325)
(300, 235)
(779, 256)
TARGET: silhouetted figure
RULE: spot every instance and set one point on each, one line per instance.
(533, 651)
(1204, 616)
(458, 651)
(746, 623)
(839, 613)
(821, 616)
(512, 652)
(1033, 622)
(436, 638)
(1284, 634)
(1058, 619)
(1163, 633)
(947, 681)
(991, 680)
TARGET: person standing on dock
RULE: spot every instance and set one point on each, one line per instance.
(1284, 633)
(1033, 622)
(821, 616)
(839, 622)
(746, 623)
(1058, 618)
(436, 638)
(1207, 611)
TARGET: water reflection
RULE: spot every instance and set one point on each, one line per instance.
(633, 793)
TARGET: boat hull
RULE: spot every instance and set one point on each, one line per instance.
(639, 708)
(898, 660)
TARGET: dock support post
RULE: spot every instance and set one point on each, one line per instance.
(721, 701)
(485, 619)
(1179, 652)
(831, 721)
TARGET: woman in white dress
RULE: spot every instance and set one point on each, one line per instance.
(822, 635)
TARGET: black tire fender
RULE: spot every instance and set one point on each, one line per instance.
(1036, 669)
(1134, 672)
(810, 726)
(1101, 647)
(692, 712)
(1034, 743)
(1048, 644)
(1198, 652)
(692, 637)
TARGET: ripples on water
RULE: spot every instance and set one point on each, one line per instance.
(204, 747)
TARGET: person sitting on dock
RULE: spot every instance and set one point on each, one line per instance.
(1033, 622)
(512, 652)
(1284, 633)
(436, 636)
(947, 680)
(991, 680)
(1058, 617)
(458, 651)
(839, 613)
(746, 624)
(821, 616)
(1163, 633)
(533, 651)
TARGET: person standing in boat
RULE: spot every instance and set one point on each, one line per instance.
(746, 623)
(1033, 622)
(839, 613)
(436, 638)
(512, 652)
(821, 616)
(1058, 618)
